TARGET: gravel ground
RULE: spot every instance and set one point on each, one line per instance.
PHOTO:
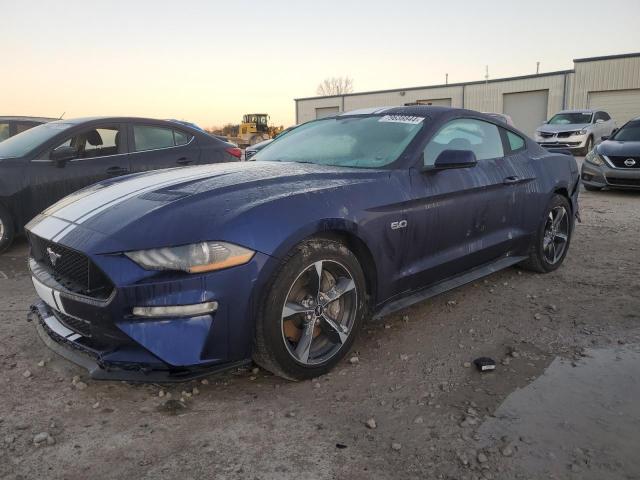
(406, 403)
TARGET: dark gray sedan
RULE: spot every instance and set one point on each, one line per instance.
(615, 163)
(40, 166)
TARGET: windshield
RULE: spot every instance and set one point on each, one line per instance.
(629, 132)
(362, 142)
(569, 118)
(22, 143)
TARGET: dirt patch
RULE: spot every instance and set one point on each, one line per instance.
(413, 376)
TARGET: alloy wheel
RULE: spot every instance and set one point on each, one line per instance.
(319, 312)
(556, 234)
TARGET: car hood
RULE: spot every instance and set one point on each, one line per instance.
(259, 146)
(619, 149)
(187, 205)
(562, 128)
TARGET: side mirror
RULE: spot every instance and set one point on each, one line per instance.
(454, 159)
(604, 138)
(62, 155)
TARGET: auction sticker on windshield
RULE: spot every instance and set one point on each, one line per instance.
(401, 119)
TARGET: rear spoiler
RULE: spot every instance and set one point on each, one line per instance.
(563, 151)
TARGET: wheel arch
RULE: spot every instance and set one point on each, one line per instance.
(362, 252)
(344, 231)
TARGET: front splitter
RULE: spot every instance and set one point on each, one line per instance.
(122, 372)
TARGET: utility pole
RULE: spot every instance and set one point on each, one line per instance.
(537, 68)
(486, 75)
(446, 79)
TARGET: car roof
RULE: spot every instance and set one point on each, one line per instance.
(79, 120)
(18, 118)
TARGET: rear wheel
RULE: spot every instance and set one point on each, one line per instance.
(552, 239)
(7, 229)
(312, 311)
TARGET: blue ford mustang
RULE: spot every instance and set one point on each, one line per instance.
(175, 273)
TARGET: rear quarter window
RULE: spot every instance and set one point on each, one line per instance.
(515, 142)
(148, 137)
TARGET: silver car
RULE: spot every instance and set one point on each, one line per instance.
(576, 130)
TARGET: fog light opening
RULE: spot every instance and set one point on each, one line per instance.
(176, 310)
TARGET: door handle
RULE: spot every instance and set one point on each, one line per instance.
(117, 171)
(183, 161)
(511, 180)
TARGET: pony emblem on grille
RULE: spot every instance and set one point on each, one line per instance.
(53, 256)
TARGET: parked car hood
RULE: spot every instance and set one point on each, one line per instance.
(259, 146)
(186, 205)
(562, 128)
(619, 149)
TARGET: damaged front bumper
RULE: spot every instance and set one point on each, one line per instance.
(106, 362)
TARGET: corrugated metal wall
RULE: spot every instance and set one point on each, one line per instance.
(601, 75)
(401, 97)
(566, 89)
(489, 97)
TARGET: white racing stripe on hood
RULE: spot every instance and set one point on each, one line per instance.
(84, 207)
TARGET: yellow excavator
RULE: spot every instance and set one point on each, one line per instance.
(255, 129)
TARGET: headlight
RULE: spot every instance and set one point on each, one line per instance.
(579, 132)
(195, 258)
(593, 158)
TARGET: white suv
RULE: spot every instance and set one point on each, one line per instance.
(576, 130)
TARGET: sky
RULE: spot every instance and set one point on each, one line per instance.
(210, 62)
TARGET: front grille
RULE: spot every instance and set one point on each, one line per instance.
(564, 134)
(72, 269)
(618, 162)
(79, 326)
(546, 134)
(624, 182)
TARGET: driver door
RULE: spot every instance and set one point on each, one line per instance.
(461, 217)
(100, 152)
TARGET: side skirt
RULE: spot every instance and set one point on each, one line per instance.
(448, 284)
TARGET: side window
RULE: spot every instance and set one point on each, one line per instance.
(480, 137)
(148, 137)
(181, 138)
(516, 142)
(4, 131)
(605, 116)
(95, 142)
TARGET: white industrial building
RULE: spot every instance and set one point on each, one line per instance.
(610, 83)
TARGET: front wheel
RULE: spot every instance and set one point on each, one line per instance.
(312, 311)
(588, 146)
(7, 230)
(552, 239)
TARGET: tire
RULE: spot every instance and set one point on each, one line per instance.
(591, 188)
(7, 229)
(289, 313)
(588, 146)
(541, 249)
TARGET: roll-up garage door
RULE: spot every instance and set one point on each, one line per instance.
(622, 105)
(327, 112)
(528, 110)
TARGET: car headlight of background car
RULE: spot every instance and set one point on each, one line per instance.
(593, 158)
(579, 132)
(194, 258)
